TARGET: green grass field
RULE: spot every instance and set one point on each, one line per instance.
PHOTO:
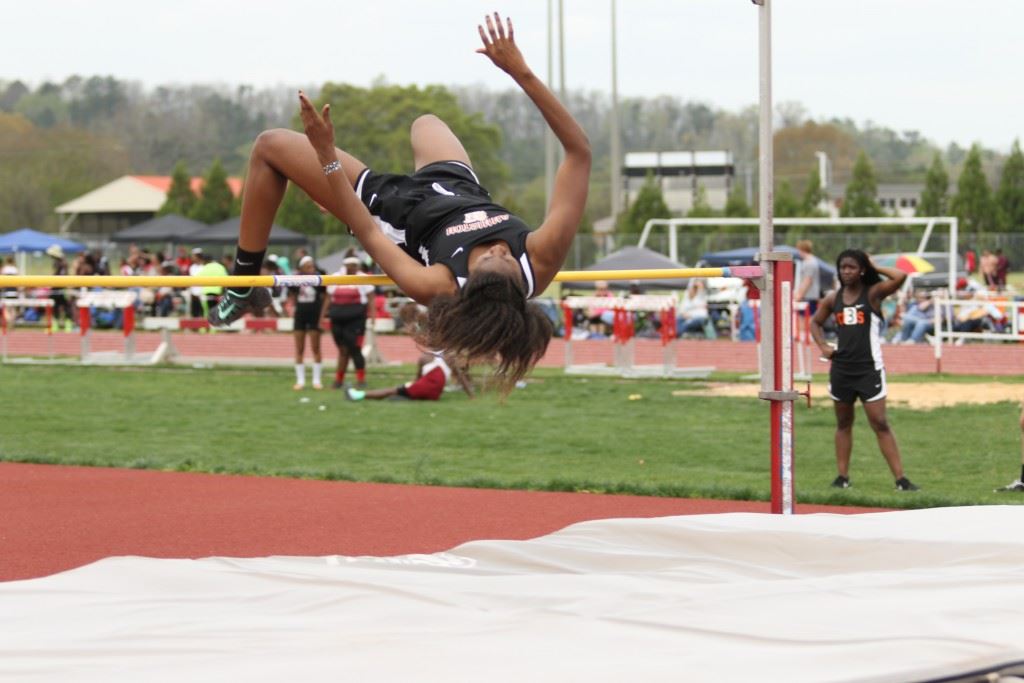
(559, 433)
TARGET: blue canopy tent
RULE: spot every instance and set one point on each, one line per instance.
(745, 257)
(27, 240)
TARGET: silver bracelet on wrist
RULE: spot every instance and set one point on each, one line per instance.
(332, 167)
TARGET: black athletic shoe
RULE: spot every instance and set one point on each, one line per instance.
(338, 384)
(904, 484)
(233, 306)
(841, 482)
(1017, 485)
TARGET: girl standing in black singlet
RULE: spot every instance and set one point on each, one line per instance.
(857, 369)
(436, 233)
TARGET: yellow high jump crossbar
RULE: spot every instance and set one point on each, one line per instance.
(131, 281)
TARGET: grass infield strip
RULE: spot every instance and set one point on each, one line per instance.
(558, 433)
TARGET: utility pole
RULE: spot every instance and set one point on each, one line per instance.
(616, 149)
(549, 137)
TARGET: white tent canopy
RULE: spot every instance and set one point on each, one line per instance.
(127, 194)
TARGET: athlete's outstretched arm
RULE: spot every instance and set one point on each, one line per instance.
(417, 281)
(549, 244)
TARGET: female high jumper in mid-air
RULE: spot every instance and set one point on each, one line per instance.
(436, 232)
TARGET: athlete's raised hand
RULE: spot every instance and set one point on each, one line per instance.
(319, 128)
(500, 45)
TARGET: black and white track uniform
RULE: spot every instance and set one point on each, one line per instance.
(309, 304)
(439, 213)
(857, 369)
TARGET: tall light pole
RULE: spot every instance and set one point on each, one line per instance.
(561, 54)
(616, 150)
(549, 137)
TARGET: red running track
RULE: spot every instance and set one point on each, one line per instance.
(725, 355)
(54, 518)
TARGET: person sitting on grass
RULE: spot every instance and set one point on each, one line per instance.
(432, 373)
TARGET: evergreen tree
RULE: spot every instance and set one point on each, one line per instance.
(862, 191)
(215, 199)
(814, 195)
(701, 208)
(973, 203)
(300, 213)
(934, 198)
(1010, 195)
(649, 203)
(786, 203)
(180, 197)
(736, 205)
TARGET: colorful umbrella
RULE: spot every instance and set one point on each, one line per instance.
(908, 263)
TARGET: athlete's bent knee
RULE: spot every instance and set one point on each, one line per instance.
(426, 120)
(267, 141)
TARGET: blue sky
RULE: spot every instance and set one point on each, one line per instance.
(947, 69)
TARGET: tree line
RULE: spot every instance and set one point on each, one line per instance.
(59, 140)
(979, 207)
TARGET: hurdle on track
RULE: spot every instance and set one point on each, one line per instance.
(623, 339)
(9, 305)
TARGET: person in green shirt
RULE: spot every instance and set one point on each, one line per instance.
(211, 295)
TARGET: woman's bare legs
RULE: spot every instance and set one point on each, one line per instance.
(432, 140)
(844, 436)
(314, 343)
(281, 155)
(278, 156)
(300, 369)
(300, 345)
(875, 410)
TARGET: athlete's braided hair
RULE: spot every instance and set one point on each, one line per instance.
(489, 320)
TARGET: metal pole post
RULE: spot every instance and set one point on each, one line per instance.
(765, 185)
(782, 405)
(549, 136)
(561, 61)
(616, 150)
(776, 294)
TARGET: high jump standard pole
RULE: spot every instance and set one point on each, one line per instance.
(776, 290)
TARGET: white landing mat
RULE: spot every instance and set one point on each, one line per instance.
(896, 596)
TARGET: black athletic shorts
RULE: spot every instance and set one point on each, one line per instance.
(847, 384)
(348, 324)
(307, 318)
(419, 202)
